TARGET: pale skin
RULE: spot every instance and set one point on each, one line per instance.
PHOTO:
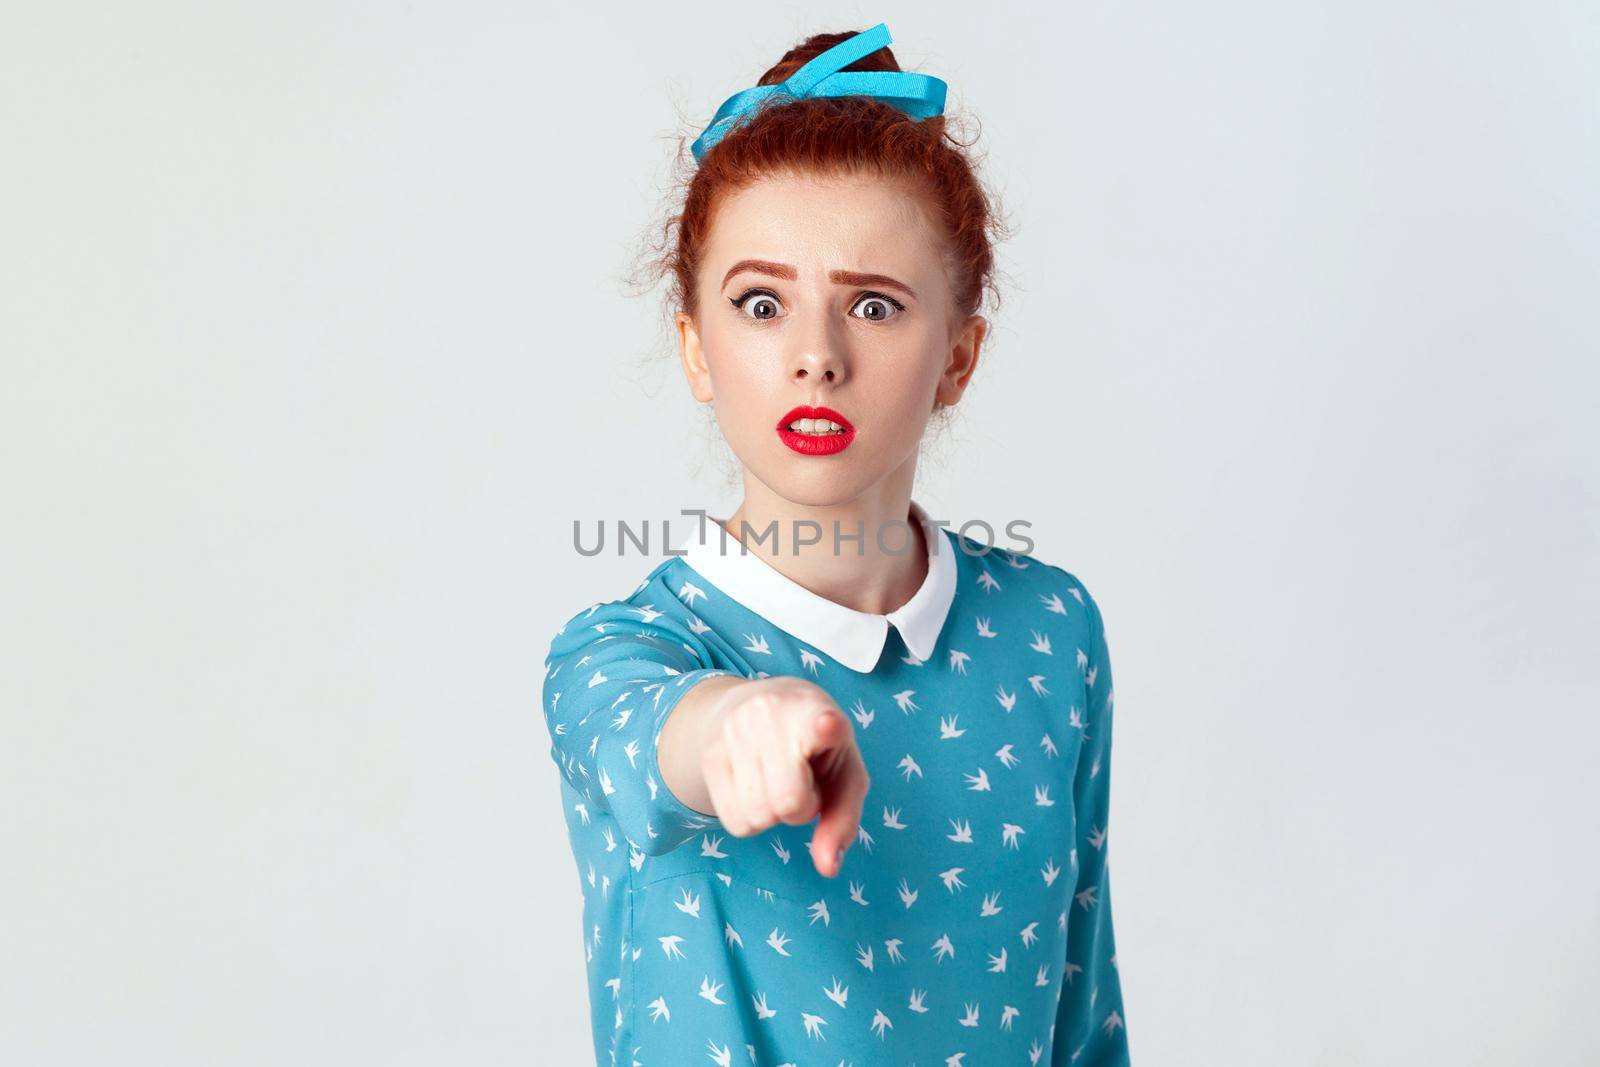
(754, 752)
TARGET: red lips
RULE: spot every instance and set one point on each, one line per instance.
(808, 444)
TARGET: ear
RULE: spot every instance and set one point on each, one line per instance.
(962, 362)
(695, 368)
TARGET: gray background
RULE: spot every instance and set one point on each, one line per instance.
(314, 343)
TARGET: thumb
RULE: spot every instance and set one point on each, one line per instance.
(823, 731)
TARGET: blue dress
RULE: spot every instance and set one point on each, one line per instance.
(970, 923)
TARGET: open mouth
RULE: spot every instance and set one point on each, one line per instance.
(815, 431)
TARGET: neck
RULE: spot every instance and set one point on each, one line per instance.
(876, 572)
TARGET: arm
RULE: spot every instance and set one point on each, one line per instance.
(614, 674)
(1090, 1030)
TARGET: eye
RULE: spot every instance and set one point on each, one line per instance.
(758, 301)
(881, 303)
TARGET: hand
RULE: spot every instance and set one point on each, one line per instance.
(781, 749)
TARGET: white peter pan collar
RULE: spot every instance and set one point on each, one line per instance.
(853, 638)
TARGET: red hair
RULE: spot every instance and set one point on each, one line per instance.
(843, 135)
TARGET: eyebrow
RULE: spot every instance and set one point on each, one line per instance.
(842, 277)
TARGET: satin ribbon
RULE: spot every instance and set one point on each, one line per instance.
(919, 95)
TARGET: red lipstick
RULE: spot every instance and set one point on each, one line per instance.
(815, 444)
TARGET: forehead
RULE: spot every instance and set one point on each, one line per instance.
(819, 223)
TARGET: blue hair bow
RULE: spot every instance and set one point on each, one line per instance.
(919, 95)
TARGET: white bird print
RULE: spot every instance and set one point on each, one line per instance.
(1014, 561)
(614, 717)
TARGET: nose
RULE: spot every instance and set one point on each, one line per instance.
(818, 356)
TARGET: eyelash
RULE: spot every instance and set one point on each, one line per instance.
(740, 301)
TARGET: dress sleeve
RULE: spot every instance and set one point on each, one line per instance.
(1090, 1029)
(614, 673)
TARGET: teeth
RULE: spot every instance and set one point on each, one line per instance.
(816, 426)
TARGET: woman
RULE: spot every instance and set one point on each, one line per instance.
(836, 778)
